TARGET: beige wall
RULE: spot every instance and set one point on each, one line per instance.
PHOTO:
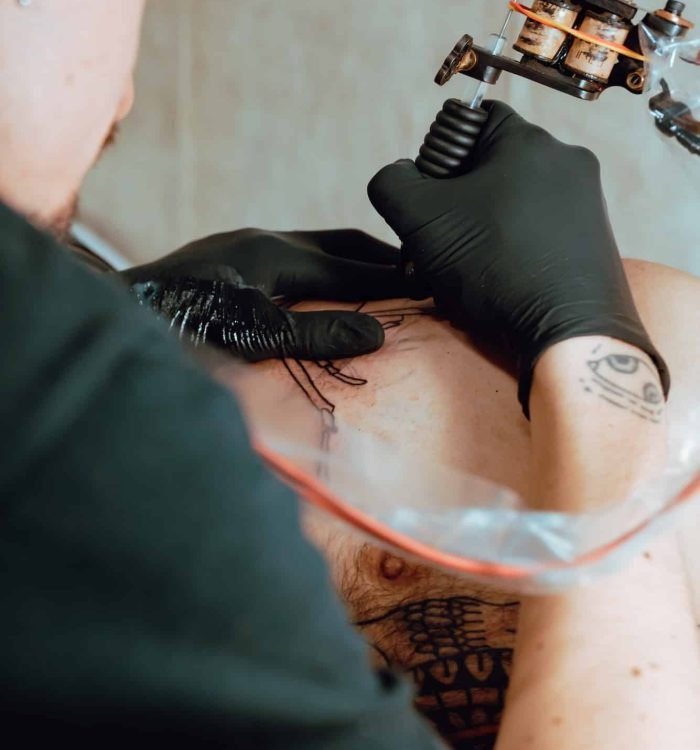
(276, 114)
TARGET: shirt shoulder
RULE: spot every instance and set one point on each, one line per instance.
(156, 571)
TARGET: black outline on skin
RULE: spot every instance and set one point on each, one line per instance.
(225, 313)
(644, 400)
(299, 373)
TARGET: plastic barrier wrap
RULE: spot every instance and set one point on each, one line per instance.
(673, 87)
(457, 521)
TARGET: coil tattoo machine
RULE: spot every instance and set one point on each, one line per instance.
(578, 48)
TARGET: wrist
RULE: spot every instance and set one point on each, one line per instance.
(598, 426)
(597, 372)
(561, 337)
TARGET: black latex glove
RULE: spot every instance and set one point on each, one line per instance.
(519, 247)
(218, 290)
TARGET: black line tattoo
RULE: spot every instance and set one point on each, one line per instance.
(299, 373)
(627, 382)
(330, 368)
(325, 408)
(459, 653)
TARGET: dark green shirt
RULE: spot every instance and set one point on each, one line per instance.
(155, 586)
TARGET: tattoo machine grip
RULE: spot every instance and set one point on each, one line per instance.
(447, 147)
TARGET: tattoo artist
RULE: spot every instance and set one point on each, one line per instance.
(156, 587)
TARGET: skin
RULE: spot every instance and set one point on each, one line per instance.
(66, 78)
(434, 394)
(595, 438)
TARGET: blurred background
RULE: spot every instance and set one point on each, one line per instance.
(276, 115)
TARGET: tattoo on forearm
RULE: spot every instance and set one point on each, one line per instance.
(459, 653)
(626, 382)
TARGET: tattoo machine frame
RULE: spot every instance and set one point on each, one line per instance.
(578, 48)
(452, 520)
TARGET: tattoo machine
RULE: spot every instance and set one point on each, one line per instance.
(578, 48)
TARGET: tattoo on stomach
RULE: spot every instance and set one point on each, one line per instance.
(459, 653)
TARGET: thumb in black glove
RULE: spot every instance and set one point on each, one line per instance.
(521, 244)
(219, 290)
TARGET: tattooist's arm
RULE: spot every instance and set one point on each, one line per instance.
(519, 251)
(615, 664)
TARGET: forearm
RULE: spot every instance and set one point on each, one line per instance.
(615, 664)
(598, 424)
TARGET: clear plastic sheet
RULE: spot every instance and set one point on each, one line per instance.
(456, 521)
(673, 86)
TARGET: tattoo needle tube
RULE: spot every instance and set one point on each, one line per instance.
(498, 42)
(456, 129)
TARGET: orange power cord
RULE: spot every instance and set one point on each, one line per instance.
(619, 48)
(314, 492)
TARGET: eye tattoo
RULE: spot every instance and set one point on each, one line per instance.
(627, 382)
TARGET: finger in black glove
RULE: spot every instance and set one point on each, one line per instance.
(219, 290)
(247, 323)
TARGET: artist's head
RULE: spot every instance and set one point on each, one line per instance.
(66, 80)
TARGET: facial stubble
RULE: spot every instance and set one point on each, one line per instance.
(61, 222)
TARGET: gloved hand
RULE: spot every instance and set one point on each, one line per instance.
(521, 245)
(218, 290)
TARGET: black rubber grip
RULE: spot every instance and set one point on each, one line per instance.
(446, 149)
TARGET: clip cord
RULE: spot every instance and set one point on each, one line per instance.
(619, 48)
